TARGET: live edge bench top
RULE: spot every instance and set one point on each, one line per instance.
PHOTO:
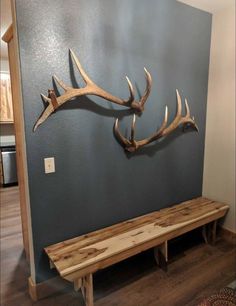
(88, 253)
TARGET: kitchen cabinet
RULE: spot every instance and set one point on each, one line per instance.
(6, 109)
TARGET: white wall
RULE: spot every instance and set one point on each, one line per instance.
(4, 65)
(6, 130)
(219, 165)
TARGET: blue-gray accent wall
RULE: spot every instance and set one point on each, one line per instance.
(96, 184)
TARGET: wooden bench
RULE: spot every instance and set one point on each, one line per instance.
(78, 258)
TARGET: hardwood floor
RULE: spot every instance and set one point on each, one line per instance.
(195, 270)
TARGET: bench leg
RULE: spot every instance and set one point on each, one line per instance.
(51, 264)
(213, 232)
(204, 233)
(209, 232)
(87, 289)
(161, 255)
(77, 284)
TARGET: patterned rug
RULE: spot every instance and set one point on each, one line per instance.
(225, 297)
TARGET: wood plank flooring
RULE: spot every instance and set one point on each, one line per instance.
(195, 270)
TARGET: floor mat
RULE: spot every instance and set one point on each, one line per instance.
(225, 297)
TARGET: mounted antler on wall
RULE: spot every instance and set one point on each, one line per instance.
(131, 145)
(91, 88)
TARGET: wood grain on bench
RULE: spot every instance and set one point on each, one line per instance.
(86, 254)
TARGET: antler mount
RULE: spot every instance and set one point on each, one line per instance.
(91, 88)
(132, 145)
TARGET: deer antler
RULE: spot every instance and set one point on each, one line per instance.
(91, 88)
(132, 145)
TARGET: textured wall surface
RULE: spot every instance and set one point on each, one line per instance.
(96, 184)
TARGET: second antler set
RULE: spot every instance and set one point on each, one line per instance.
(91, 88)
(132, 145)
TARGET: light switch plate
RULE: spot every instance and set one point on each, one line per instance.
(49, 165)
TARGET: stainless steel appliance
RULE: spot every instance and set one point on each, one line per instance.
(8, 158)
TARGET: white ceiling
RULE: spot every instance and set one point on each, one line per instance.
(211, 6)
(6, 20)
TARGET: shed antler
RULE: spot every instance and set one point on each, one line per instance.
(91, 88)
(132, 145)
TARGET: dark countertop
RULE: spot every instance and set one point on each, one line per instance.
(7, 144)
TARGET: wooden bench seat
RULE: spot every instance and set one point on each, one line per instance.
(78, 258)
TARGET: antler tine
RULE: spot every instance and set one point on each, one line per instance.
(84, 75)
(133, 129)
(125, 142)
(164, 123)
(131, 90)
(148, 87)
(187, 118)
(60, 83)
(179, 105)
(46, 99)
(46, 113)
(177, 118)
(187, 109)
